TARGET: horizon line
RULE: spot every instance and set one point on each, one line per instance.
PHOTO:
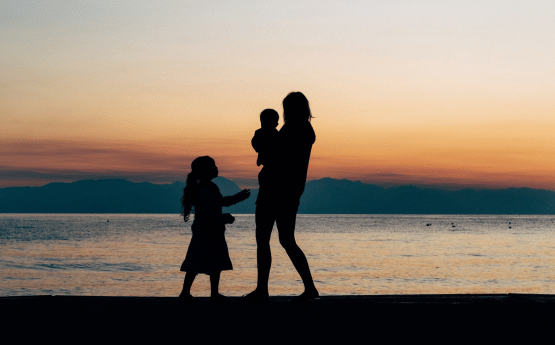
(240, 183)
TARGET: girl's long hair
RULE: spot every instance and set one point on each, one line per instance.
(189, 198)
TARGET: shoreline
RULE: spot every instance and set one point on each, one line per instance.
(448, 318)
(396, 298)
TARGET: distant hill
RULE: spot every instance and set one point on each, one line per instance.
(343, 196)
(324, 196)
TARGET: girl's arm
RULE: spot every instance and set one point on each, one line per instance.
(234, 199)
(208, 210)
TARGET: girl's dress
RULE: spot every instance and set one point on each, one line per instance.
(208, 251)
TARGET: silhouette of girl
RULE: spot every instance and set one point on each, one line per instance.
(207, 251)
(279, 196)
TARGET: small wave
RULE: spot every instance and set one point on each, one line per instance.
(93, 266)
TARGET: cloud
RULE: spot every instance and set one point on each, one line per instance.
(37, 162)
(246, 182)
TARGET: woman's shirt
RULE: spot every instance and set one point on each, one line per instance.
(294, 148)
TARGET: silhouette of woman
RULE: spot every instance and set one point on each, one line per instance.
(282, 182)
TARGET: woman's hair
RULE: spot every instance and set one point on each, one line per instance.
(198, 171)
(296, 108)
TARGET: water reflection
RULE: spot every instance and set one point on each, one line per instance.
(140, 255)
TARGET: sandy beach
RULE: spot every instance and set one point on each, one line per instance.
(393, 318)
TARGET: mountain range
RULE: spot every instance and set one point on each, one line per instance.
(323, 196)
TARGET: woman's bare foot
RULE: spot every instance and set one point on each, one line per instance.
(307, 296)
(219, 298)
(187, 297)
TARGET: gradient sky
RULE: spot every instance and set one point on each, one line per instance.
(443, 93)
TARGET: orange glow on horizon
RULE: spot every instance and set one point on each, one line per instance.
(423, 158)
(448, 95)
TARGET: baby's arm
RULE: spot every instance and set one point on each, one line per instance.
(256, 141)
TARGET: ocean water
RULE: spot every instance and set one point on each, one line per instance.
(140, 255)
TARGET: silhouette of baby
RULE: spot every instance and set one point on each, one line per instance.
(265, 138)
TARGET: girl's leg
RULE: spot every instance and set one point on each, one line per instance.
(215, 295)
(187, 283)
(214, 284)
(286, 227)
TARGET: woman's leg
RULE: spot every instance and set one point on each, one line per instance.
(286, 227)
(264, 219)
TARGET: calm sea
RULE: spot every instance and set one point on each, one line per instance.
(140, 255)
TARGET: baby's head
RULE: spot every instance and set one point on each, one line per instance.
(269, 118)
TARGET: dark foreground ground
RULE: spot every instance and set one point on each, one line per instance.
(333, 319)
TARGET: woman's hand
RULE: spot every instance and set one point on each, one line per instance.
(228, 218)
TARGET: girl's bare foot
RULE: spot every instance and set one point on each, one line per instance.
(256, 295)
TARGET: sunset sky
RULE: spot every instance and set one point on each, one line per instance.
(432, 93)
